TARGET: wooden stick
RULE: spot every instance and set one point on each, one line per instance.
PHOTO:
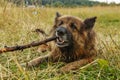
(21, 47)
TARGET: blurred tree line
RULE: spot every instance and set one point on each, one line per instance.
(59, 3)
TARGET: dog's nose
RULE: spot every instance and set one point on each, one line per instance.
(60, 31)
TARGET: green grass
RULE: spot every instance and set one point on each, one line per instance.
(17, 24)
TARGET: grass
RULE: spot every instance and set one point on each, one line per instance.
(17, 24)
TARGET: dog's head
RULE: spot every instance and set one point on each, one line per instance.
(69, 29)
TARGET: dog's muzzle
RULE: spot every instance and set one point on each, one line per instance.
(62, 34)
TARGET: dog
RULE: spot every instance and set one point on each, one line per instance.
(75, 45)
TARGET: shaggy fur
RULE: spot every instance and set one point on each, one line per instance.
(80, 49)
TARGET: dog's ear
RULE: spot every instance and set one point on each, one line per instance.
(57, 16)
(89, 23)
(55, 21)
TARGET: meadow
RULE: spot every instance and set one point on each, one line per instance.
(16, 28)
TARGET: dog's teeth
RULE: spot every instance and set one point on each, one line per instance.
(57, 40)
(60, 40)
(63, 41)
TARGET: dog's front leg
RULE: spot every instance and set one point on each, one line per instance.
(75, 65)
(37, 61)
(50, 57)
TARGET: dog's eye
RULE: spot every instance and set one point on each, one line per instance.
(73, 26)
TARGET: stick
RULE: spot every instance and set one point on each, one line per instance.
(21, 47)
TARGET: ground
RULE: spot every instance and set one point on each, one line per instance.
(17, 25)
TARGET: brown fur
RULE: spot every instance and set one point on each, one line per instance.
(44, 47)
(82, 50)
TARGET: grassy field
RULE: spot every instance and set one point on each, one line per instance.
(17, 24)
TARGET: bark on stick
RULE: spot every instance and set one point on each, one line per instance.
(21, 47)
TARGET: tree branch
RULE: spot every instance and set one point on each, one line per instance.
(21, 47)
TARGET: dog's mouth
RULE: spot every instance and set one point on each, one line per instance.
(62, 41)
